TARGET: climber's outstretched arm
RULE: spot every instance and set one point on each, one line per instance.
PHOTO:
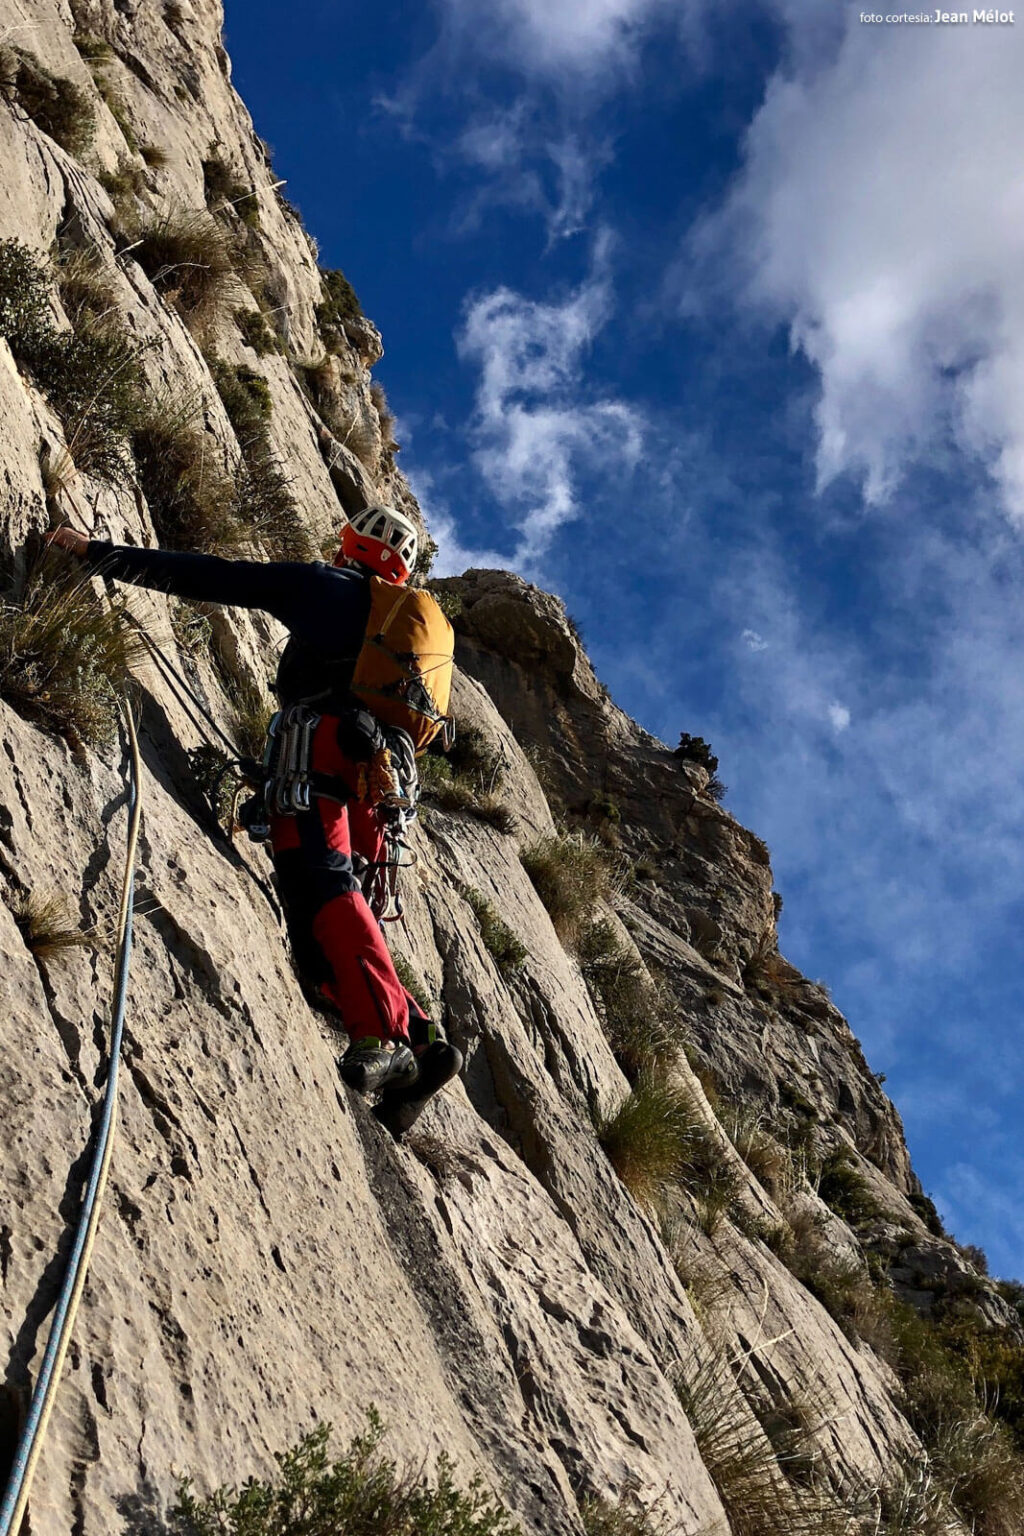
(312, 600)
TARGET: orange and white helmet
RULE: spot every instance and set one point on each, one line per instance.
(383, 539)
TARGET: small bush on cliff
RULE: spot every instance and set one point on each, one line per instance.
(360, 1494)
(65, 657)
(92, 375)
(569, 873)
(600, 1517)
(57, 106)
(225, 192)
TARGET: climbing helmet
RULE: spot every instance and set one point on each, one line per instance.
(383, 539)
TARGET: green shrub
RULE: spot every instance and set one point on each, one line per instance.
(361, 1494)
(26, 319)
(92, 375)
(256, 332)
(339, 302)
(639, 1022)
(844, 1188)
(181, 473)
(125, 187)
(224, 192)
(600, 1517)
(65, 656)
(94, 50)
(570, 874)
(658, 1138)
(58, 107)
(189, 259)
(425, 557)
(450, 604)
(504, 948)
(48, 926)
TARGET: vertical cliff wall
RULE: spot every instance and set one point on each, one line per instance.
(505, 1288)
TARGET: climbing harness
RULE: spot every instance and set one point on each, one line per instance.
(29, 1446)
(287, 784)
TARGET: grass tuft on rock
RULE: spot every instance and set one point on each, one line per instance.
(658, 1140)
(182, 474)
(48, 925)
(570, 874)
(190, 261)
(468, 779)
(65, 657)
(362, 1493)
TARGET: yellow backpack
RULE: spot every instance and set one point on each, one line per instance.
(404, 671)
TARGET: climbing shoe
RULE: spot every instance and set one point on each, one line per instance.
(400, 1106)
(369, 1065)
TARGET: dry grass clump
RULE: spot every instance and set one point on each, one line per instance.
(155, 156)
(638, 1020)
(601, 1517)
(501, 943)
(58, 107)
(251, 713)
(569, 873)
(361, 1494)
(65, 657)
(48, 925)
(658, 1139)
(413, 982)
(469, 779)
(744, 1465)
(768, 1160)
(86, 287)
(263, 502)
(189, 259)
(181, 471)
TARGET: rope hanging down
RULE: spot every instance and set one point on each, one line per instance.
(27, 1455)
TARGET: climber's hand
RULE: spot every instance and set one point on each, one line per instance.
(70, 539)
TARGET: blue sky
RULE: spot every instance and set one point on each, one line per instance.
(712, 320)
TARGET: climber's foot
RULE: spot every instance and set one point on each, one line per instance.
(369, 1065)
(401, 1106)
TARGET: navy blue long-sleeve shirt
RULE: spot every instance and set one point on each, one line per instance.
(325, 606)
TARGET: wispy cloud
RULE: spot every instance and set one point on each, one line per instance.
(881, 215)
(534, 427)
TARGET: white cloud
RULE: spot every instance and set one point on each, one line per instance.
(548, 36)
(753, 641)
(839, 715)
(881, 213)
(534, 428)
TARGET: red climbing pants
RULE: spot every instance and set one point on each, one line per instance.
(337, 942)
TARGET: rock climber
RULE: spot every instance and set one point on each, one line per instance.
(394, 1048)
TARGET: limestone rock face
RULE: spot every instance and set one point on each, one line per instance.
(268, 1258)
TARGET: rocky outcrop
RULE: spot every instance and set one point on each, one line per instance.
(268, 1259)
